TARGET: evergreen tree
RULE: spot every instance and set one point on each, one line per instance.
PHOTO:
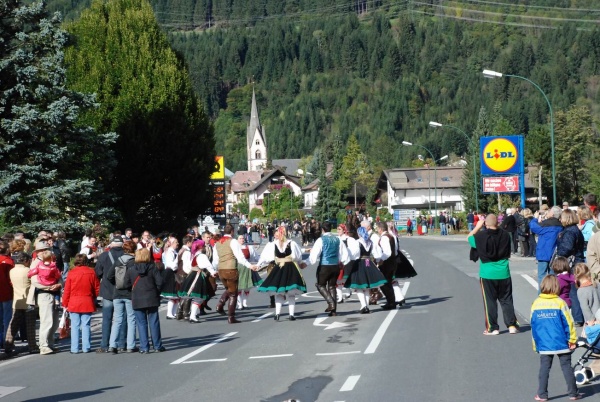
(52, 169)
(165, 151)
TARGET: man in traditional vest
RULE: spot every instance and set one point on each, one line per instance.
(329, 251)
(387, 264)
(227, 254)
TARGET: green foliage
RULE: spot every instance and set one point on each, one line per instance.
(282, 203)
(52, 168)
(256, 213)
(165, 151)
(355, 167)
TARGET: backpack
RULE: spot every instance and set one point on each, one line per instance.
(121, 273)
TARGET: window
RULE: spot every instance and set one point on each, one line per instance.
(445, 179)
(257, 142)
(419, 180)
(257, 155)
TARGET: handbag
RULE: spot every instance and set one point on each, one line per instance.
(64, 325)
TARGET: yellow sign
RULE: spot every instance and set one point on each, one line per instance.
(500, 155)
(218, 169)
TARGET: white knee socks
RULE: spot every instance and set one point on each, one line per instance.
(278, 302)
(340, 296)
(292, 304)
(245, 299)
(172, 307)
(362, 298)
(194, 312)
(240, 298)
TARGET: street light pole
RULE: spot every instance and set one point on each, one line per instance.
(408, 144)
(494, 74)
(475, 184)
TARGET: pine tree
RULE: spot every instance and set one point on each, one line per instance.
(165, 151)
(52, 169)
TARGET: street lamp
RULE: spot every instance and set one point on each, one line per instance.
(408, 144)
(495, 74)
(438, 125)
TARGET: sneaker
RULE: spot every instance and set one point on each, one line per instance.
(538, 398)
(494, 332)
(513, 330)
(161, 349)
(46, 351)
(134, 350)
(576, 397)
(100, 350)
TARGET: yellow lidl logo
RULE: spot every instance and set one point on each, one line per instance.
(500, 155)
(218, 169)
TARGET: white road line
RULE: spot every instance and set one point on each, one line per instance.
(15, 360)
(380, 332)
(203, 348)
(405, 288)
(204, 361)
(271, 356)
(339, 353)
(350, 383)
(4, 391)
(262, 317)
(531, 281)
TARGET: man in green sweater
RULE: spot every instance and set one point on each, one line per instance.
(493, 247)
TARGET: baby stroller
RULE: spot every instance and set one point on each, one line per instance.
(582, 373)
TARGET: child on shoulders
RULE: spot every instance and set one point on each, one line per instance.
(47, 273)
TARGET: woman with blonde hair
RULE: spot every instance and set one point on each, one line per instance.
(285, 279)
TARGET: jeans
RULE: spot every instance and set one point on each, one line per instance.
(543, 270)
(470, 226)
(575, 306)
(565, 365)
(65, 271)
(6, 315)
(81, 322)
(122, 307)
(443, 229)
(143, 318)
(107, 316)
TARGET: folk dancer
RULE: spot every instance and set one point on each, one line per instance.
(169, 288)
(395, 284)
(387, 264)
(348, 242)
(227, 255)
(363, 274)
(247, 277)
(329, 251)
(285, 279)
(194, 289)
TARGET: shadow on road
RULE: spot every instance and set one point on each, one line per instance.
(174, 343)
(424, 301)
(306, 389)
(69, 396)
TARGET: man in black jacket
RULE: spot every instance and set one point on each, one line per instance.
(509, 224)
(105, 261)
(65, 251)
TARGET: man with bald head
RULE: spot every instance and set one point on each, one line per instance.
(493, 248)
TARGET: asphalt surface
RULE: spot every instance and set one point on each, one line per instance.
(432, 349)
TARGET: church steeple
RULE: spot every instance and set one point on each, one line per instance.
(256, 145)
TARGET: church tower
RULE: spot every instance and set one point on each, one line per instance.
(256, 146)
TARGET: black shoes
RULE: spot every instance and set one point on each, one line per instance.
(388, 307)
(332, 313)
(134, 350)
(401, 303)
(161, 349)
(276, 318)
(292, 318)
(232, 320)
(114, 351)
(365, 310)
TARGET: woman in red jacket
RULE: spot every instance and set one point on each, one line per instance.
(79, 298)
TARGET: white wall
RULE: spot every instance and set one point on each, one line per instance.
(445, 197)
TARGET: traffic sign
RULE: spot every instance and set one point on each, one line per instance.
(218, 169)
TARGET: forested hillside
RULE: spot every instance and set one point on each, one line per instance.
(383, 69)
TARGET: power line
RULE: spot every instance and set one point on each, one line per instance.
(512, 5)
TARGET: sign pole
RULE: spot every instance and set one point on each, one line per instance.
(522, 168)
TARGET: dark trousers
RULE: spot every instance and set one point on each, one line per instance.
(524, 247)
(19, 317)
(327, 275)
(388, 268)
(494, 291)
(148, 317)
(514, 241)
(532, 245)
(565, 365)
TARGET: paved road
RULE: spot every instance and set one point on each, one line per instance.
(430, 350)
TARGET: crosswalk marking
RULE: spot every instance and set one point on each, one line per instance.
(350, 383)
(203, 348)
(531, 281)
(4, 391)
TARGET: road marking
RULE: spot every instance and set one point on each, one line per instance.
(205, 361)
(531, 281)
(270, 356)
(350, 383)
(339, 353)
(380, 332)
(405, 288)
(322, 317)
(4, 391)
(203, 348)
(262, 317)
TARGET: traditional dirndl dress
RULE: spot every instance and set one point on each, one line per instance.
(169, 287)
(197, 289)
(285, 277)
(247, 278)
(364, 274)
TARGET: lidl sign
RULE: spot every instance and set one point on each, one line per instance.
(501, 155)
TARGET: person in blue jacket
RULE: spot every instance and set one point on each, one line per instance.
(547, 226)
(553, 333)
